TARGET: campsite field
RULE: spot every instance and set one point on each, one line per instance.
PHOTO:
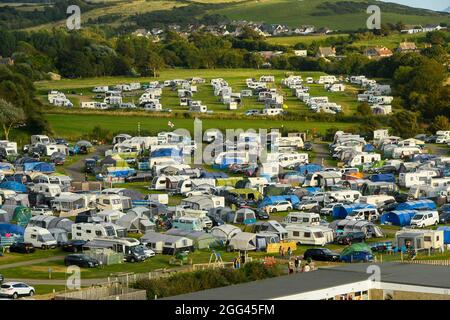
(74, 123)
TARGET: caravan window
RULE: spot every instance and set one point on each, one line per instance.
(318, 234)
(293, 219)
(305, 219)
(307, 234)
(98, 233)
(184, 242)
(33, 236)
(296, 234)
(427, 239)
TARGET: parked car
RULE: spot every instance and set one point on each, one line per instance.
(81, 260)
(73, 245)
(147, 252)
(444, 208)
(425, 219)
(307, 146)
(16, 289)
(22, 247)
(328, 209)
(321, 254)
(349, 238)
(445, 217)
(140, 177)
(262, 215)
(280, 206)
(310, 205)
(136, 254)
(358, 256)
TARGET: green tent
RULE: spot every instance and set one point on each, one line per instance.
(356, 247)
(21, 216)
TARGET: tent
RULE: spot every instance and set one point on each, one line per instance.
(386, 177)
(245, 241)
(202, 239)
(340, 212)
(356, 247)
(347, 226)
(21, 216)
(369, 148)
(398, 217)
(245, 216)
(213, 175)
(14, 186)
(224, 232)
(446, 230)
(167, 152)
(309, 168)
(417, 205)
(43, 167)
(7, 228)
(274, 199)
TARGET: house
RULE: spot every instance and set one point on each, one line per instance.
(301, 53)
(378, 53)
(6, 61)
(325, 52)
(405, 47)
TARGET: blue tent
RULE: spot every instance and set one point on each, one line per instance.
(309, 168)
(11, 228)
(166, 152)
(14, 186)
(312, 190)
(44, 167)
(340, 212)
(422, 157)
(125, 172)
(382, 177)
(398, 217)
(292, 198)
(369, 148)
(417, 205)
(446, 230)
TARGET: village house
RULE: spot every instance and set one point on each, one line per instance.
(405, 47)
(378, 53)
(325, 52)
(6, 61)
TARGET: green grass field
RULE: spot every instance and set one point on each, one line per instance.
(291, 41)
(304, 12)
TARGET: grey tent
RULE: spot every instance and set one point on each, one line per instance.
(5, 216)
(60, 235)
(346, 226)
(51, 222)
(136, 222)
(202, 239)
(166, 244)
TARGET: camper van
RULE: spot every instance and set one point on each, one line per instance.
(39, 238)
(342, 196)
(309, 235)
(424, 219)
(368, 214)
(409, 179)
(90, 231)
(306, 218)
(187, 224)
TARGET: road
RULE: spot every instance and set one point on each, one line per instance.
(76, 170)
(438, 149)
(321, 153)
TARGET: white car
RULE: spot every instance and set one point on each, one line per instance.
(424, 219)
(148, 252)
(280, 206)
(16, 289)
(318, 196)
(328, 209)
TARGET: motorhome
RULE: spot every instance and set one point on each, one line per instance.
(442, 136)
(288, 159)
(409, 179)
(342, 196)
(39, 238)
(187, 223)
(401, 152)
(40, 139)
(306, 218)
(376, 200)
(309, 235)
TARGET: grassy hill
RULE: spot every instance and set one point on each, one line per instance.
(336, 14)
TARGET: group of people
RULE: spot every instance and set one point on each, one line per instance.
(295, 265)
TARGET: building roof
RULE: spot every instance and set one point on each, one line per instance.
(398, 273)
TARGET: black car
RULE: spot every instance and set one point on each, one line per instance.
(307, 146)
(135, 254)
(22, 247)
(89, 165)
(262, 215)
(349, 238)
(444, 208)
(431, 139)
(444, 217)
(321, 254)
(73, 246)
(81, 260)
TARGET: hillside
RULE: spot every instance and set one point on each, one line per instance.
(342, 15)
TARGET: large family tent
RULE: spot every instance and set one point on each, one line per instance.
(244, 216)
(417, 205)
(8, 228)
(224, 232)
(21, 216)
(356, 247)
(347, 226)
(382, 177)
(43, 167)
(202, 239)
(399, 218)
(292, 198)
(14, 186)
(244, 241)
(446, 230)
(340, 212)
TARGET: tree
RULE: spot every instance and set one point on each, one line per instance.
(404, 124)
(440, 123)
(10, 116)
(364, 109)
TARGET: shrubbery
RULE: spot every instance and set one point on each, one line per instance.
(187, 282)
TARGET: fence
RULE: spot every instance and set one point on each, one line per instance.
(110, 292)
(128, 278)
(428, 262)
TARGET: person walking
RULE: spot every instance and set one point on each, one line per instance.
(296, 263)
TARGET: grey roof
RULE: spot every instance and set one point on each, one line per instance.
(400, 273)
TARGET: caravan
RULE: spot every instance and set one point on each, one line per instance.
(309, 235)
(90, 231)
(305, 218)
(39, 238)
